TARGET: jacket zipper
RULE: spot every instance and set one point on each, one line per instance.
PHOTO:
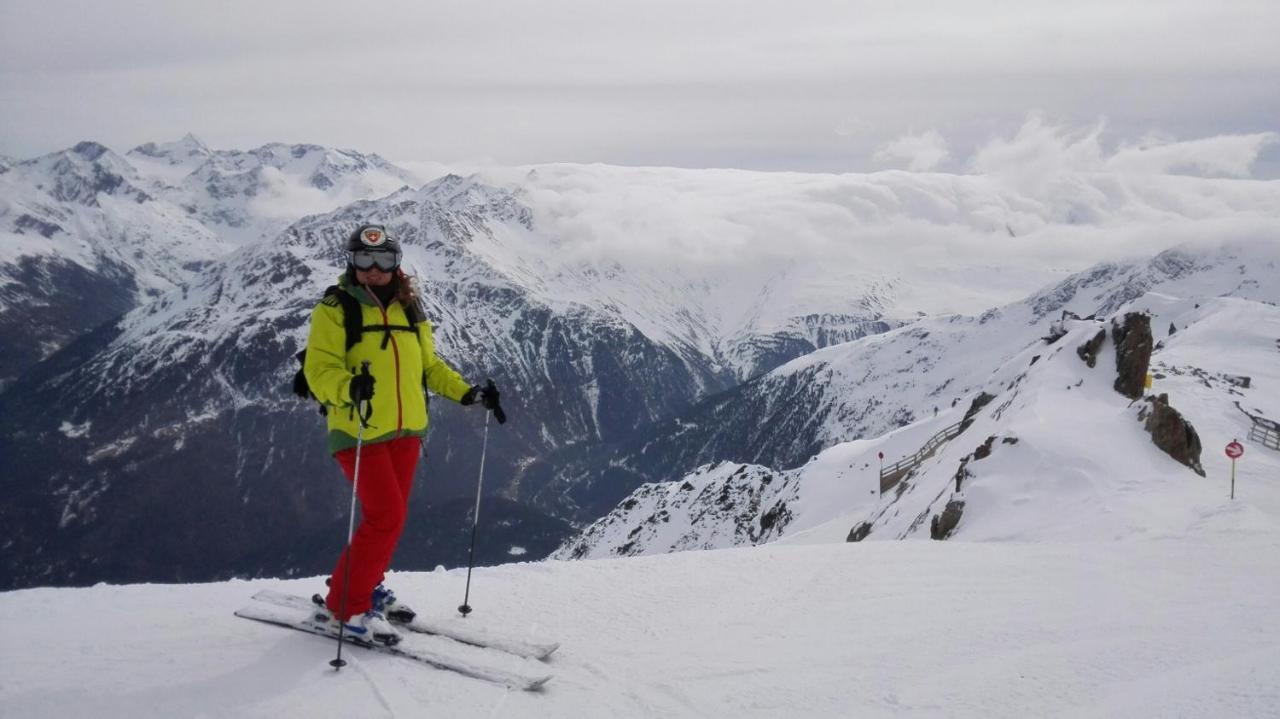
(395, 352)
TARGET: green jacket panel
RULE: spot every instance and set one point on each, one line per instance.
(399, 371)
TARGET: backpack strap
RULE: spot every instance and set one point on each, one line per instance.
(353, 319)
(387, 330)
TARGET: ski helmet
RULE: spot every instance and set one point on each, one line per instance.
(372, 237)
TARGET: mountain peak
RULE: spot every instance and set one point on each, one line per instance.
(176, 152)
(192, 141)
(90, 150)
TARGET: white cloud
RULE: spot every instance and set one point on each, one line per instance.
(286, 196)
(1048, 199)
(1042, 150)
(283, 198)
(1038, 153)
(918, 153)
(1225, 155)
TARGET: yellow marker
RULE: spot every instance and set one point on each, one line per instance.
(1147, 382)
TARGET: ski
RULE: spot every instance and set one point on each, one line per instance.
(474, 636)
(290, 618)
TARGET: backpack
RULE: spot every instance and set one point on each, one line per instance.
(353, 323)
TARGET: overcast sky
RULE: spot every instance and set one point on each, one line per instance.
(794, 85)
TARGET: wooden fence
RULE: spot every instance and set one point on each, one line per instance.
(891, 475)
(1265, 432)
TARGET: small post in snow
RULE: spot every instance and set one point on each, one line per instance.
(880, 477)
(1234, 450)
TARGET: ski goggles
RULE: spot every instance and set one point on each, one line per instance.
(385, 260)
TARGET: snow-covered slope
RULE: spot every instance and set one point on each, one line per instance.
(866, 388)
(1071, 462)
(877, 629)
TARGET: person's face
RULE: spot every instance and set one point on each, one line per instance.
(373, 277)
(374, 267)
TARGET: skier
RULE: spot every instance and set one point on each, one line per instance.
(376, 378)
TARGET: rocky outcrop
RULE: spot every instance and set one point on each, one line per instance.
(984, 450)
(1172, 433)
(859, 532)
(1133, 353)
(981, 452)
(942, 525)
(982, 400)
(1089, 350)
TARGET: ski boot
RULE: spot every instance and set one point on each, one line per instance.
(384, 600)
(369, 628)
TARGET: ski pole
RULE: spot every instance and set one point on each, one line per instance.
(338, 662)
(475, 519)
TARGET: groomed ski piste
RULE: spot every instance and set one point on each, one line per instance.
(1153, 628)
(1091, 575)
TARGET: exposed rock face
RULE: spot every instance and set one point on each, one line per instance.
(982, 400)
(984, 450)
(859, 532)
(981, 452)
(1133, 353)
(944, 524)
(1172, 433)
(1089, 350)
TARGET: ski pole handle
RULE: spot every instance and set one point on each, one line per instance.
(365, 409)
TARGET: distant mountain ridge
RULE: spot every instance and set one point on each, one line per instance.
(633, 317)
(87, 234)
(254, 194)
(222, 358)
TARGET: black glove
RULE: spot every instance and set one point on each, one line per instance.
(488, 396)
(361, 388)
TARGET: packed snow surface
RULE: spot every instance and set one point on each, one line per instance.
(883, 629)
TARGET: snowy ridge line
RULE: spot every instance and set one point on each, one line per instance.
(473, 636)
(447, 660)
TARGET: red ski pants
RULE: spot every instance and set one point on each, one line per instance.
(386, 476)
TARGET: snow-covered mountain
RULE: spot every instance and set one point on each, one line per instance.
(866, 388)
(780, 330)
(248, 196)
(1136, 587)
(82, 240)
(605, 300)
(86, 234)
(220, 350)
(1066, 438)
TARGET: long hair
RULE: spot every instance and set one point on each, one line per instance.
(405, 292)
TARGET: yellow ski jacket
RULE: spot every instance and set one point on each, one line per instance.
(400, 369)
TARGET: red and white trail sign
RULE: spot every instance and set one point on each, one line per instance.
(1235, 449)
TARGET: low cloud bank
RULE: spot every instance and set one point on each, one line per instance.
(1047, 201)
